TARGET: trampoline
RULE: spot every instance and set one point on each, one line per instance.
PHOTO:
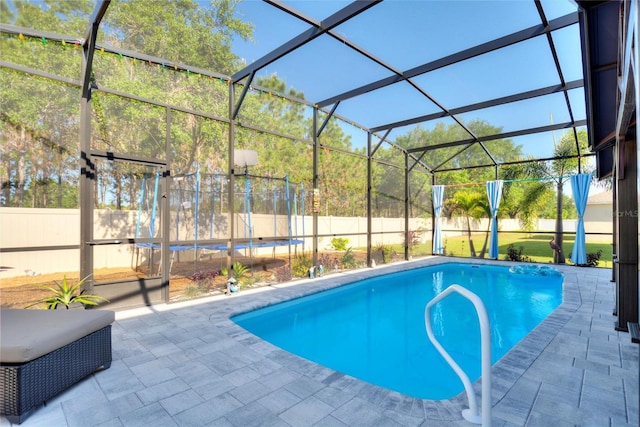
(193, 201)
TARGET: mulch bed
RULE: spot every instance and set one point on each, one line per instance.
(21, 291)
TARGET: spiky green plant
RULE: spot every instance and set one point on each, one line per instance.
(239, 272)
(64, 293)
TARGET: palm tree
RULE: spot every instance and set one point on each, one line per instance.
(472, 205)
(555, 174)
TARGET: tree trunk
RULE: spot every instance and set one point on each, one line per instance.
(558, 256)
(133, 188)
(21, 172)
(60, 189)
(45, 188)
(34, 185)
(5, 181)
(486, 239)
(99, 195)
(118, 184)
(472, 249)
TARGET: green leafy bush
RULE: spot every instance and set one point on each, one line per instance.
(192, 290)
(300, 266)
(339, 243)
(593, 258)
(518, 255)
(66, 294)
(239, 272)
(348, 259)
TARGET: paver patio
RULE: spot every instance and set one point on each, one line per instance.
(187, 364)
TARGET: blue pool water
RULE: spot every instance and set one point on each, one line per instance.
(374, 329)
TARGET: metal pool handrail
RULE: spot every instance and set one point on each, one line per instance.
(472, 415)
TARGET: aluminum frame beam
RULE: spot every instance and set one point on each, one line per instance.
(487, 47)
(529, 131)
(549, 90)
(87, 167)
(305, 37)
(520, 162)
(14, 29)
(556, 61)
(378, 61)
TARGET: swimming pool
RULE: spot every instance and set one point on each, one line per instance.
(374, 329)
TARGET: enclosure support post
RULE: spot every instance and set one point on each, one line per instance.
(433, 212)
(614, 227)
(627, 245)
(231, 184)
(87, 167)
(87, 177)
(316, 181)
(369, 178)
(406, 207)
(165, 216)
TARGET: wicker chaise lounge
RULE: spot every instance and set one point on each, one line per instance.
(43, 352)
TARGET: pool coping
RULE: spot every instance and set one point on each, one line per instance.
(505, 372)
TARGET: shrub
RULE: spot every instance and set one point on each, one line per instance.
(348, 259)
(300, 266)
(593, 258)
(202, 281)
(414, 237)
(339, 243)
(514, 254)
(66, 294)
(385, 252)
(240, 272)
(192, 290)
(325, 261)
(283, 274)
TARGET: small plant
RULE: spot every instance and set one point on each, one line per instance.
(514, 254)
(192, 290)
(339, 243)
(414, 237)
(385, 252)
(239, 272)
(251, 280)
(283, 274)
(348, 259)
(325, 261)
(593, 258)
(446, 252)
(201, 283)
(300, 266)
(202, 280)
(67, 294)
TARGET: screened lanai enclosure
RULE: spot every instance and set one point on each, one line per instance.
(154, 147)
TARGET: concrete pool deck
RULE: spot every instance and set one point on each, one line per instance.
(187, 364)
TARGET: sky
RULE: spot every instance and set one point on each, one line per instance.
(406, 34)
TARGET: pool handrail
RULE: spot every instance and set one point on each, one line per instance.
(471, 414)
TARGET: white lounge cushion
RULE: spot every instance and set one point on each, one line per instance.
(26, 335)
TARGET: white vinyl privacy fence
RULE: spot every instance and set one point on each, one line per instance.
(26, 228)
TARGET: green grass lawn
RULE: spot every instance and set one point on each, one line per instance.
(535, 246)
